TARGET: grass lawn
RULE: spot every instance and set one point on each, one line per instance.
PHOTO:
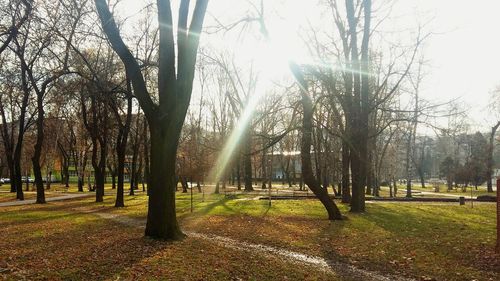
(422, 241)
(53, 242)
(7, 197)
(57, 189)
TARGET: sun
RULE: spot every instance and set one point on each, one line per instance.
(269, 56)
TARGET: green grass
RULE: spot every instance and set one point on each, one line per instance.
(424, 239)
(443, 189)
(418, 238)
(56, 242)
(411, 239)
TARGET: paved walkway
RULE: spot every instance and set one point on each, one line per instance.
(50, 199)
(445, 194)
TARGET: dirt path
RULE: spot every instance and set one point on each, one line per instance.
(50, 199)
(446, 194)
(343, 270)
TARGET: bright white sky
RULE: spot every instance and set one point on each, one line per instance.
(463, 56)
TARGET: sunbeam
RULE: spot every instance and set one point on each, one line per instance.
(235, 138)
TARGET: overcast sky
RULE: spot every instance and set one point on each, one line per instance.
(463, 55)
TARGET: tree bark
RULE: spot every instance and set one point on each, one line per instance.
(408, 165)
(360, 103)
(146, 150)
(37, 170)
(305, 149)
(489, 169)
(247, 162)
(165, 119)
(264, 168)
(238, 171)
(80, 183)
(7, 138)
(162, 221)
(121, 146)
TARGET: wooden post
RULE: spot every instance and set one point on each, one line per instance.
(191, 184)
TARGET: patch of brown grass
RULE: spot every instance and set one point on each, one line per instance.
(64, 245)
(10, 197)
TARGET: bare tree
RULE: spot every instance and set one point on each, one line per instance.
(305, 150)
(491, 145)
(121, 140)
(165, 119)
(494, 105)
(16, 15)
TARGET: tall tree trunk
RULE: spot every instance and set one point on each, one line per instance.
(27, 181)
(80, 183)
(37, 170)
(20, 138)
(271, 165)
(489, 169)
(79, 169)
(133, 169)
(162, 220)
(138, 175)
(100, 175)
(360, 103)
(390, 189)
(146, 150)
(113, 180)
(358, 178)
(408, 165)
(217, 187)
(18, 173)
(165, 119)
(238, 171)
(12, 179)
(263, 168)
(121, 146)
(247, 162)
(120, 202)
(66, 173)
(99, 185)
(305, 149)
(49, 180)
(98, 165)
(8, 140)
(287, 173)
(422, 178)
(184, 184)
(369, 178)
(135, 156)
(132, 179)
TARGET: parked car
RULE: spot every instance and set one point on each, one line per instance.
(5, 180)
(27, 179)
(52, 179)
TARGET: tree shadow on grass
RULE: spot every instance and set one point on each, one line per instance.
(409, 219)
(96, 250)
(21, 215)
(431, 234)
(207, 209)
